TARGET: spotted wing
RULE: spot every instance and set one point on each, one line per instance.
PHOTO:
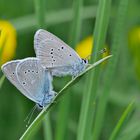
(9, 70)
(52, 51)
(31, 75)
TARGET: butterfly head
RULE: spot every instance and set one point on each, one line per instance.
(85, 61)
(39, 107)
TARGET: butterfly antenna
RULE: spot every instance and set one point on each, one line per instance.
(103, 51)
(100, 52)
(87, 57)
(29, 116)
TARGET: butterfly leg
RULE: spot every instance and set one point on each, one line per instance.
(74, 76)
(89, 65)
(55, 93)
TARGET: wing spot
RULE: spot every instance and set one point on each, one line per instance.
(28, 70)
(32, 70)
(58, 49)
(24, 83)
(52, 56)
(54, 60)
(51, 49)
(13, 73)
(62, 47)
(36, 71)
(51, 52)
(70, 55)
(25, 72)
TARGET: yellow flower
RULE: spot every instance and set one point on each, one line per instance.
(134, 41)
(7, 41)
(134, 47)
(84, 48)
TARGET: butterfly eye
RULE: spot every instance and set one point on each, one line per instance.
(85, 61)
(40, 107)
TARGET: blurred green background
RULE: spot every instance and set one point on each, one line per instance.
(14, 107)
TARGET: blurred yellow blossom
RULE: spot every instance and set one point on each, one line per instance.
(134, 46)
(7, 41)
(84, 48)
(134, 41)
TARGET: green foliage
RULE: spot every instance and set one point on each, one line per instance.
(121, 122)
(87, 110)
(99, 98)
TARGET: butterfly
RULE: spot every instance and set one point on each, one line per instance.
(31, 79)
(57, 56)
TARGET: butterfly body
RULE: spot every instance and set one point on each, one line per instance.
(57, 56)
(73, 70)
(31, 79)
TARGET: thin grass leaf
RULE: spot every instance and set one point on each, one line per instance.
(62, 118)
(40, 16)
(118, 35)
(40, 13)
(41, 115)
(121, 122)
(65, 106)
(91, 86)
(131, 132)
(2, 80)
(76, 23)
(47, 128)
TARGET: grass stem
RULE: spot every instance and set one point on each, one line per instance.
(88, 107)
(40, 13)
(40, 16)
(73, 40)
(110, 71)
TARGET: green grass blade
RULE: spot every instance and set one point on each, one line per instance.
(73, 40)
(42, 114)
(2, 80)
(87, 109)
(121, 122)
(40, 13)
(47, 127)
(132, 131)
(40, 16)
(110, 71)
(76, 22)
(62, 118)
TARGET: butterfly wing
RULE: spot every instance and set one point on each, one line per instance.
(31, 75)
(52, 51)
(9, 70)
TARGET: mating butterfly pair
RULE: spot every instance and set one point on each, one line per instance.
(33, 76)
